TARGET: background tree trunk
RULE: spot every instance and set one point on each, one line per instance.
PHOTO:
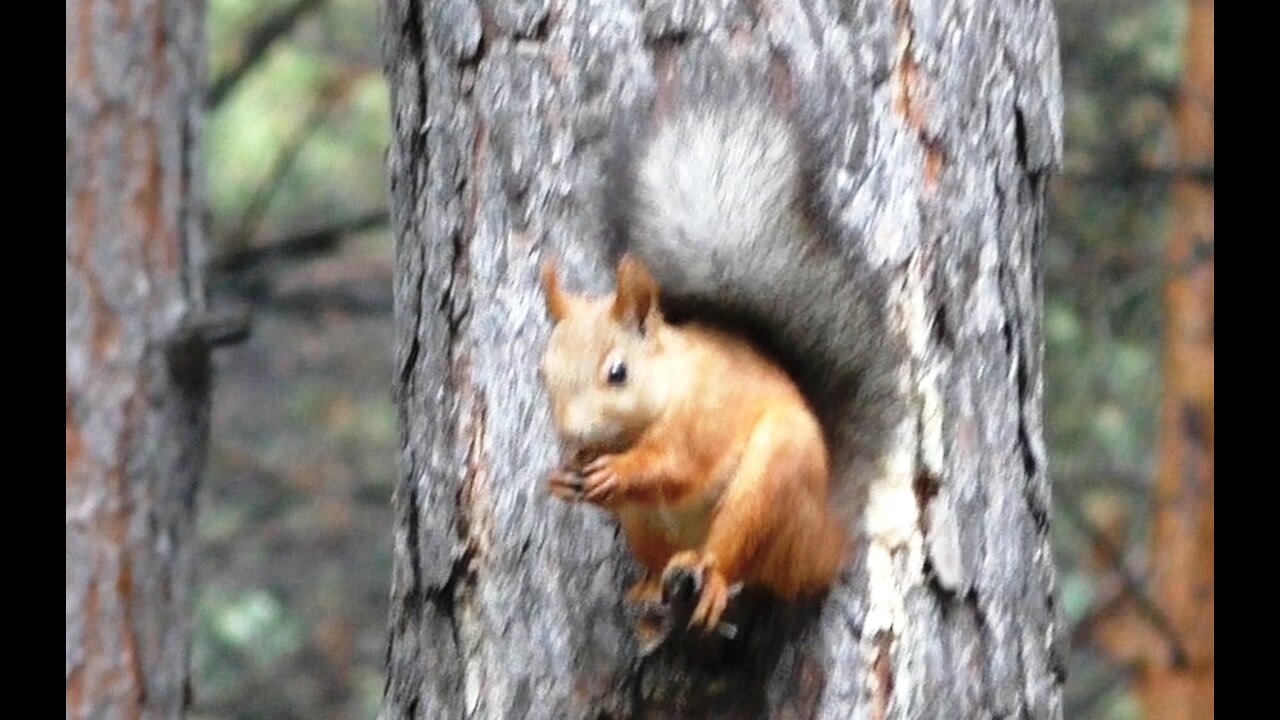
(506, 603)
(136, 360)
(1175, 679)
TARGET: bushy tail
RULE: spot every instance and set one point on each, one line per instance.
(719, 198)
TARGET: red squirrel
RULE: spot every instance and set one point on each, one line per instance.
(704, 446)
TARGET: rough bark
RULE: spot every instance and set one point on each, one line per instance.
(136, 358)
(1175, 679)
(505, 603)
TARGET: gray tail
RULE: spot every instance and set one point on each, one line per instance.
(720, 199)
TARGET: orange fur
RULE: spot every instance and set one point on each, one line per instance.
(708, 454)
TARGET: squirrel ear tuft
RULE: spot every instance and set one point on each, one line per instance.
(636, 301)
(557, 300)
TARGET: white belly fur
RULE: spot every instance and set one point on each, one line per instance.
(684, 526)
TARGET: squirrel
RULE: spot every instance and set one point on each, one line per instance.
(699, 401)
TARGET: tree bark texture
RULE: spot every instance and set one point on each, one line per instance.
(1175, 679)
(136, 364)
(506, 603)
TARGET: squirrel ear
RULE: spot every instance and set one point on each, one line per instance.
(636, 301)
(557, 300)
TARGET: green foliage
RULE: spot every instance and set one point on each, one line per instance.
(321, 83)
(241, 634)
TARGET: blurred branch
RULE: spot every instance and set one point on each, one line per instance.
(284, 160)
(368, 295)
(1201, 252)
(255, 47)
(1131, 585)
(1164, 90)
(1127, 481)
(1128, 175)
(215, 328)
(1132, 271)
(1085, 626)
(246, 226)
(351, 301)
(304, 244)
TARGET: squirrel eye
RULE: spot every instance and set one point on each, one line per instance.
(617, 372)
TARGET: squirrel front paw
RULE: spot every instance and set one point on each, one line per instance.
(600, 482)
(603, 479)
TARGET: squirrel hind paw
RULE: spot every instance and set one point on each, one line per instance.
(681, 585)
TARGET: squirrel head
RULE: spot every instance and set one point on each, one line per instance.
(601, 367)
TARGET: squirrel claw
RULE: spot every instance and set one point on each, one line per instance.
(565, 484)
(681, 584)
(690, 578)
(600, 481)
(601, 462)
(711, 605)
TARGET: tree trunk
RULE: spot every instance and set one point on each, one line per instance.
(1176, 679)
(506, 603)
(136, 360)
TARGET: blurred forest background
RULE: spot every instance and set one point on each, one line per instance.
(295, 516)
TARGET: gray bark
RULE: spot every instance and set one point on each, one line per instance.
(137, 370)
(505, 603)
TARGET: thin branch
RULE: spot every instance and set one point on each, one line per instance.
(1131, 585)
(255, 48)
(1084, 627)
(307, 243)
(310, 303)
(1131, 175)
(215, 328)
(246, 226)
(1118, 479)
